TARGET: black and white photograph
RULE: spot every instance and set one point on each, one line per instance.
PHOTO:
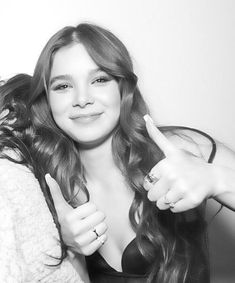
(117, 141)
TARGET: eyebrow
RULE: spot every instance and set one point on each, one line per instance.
(69, 77)
(61, 77)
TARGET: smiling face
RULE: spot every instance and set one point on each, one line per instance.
(84, 100)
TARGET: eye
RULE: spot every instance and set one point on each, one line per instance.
(102, 80)
(62, 86)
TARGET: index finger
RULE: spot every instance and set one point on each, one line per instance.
(164, 144)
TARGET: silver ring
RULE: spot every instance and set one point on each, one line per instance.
(166, 200)
(172, 204)
(96, 233)
(151, 178)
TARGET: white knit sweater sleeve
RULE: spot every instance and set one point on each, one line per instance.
(29, 240)
(10, 265)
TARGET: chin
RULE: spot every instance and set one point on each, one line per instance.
(93, 142)
(90, 144)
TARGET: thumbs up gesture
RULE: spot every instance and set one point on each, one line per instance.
(181, 181)
(83, 228)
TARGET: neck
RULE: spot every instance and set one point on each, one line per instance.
(98, 161)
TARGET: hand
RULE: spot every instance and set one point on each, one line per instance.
(181, 181)
(83, 228)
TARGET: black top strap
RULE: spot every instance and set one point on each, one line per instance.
(213, 143)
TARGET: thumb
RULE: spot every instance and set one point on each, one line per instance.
(159, 139)
(61, 206)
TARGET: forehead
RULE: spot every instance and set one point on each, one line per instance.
(72, 58)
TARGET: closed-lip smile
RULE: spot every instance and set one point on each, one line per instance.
(85, 115)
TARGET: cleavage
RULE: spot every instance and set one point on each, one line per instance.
(132, 261)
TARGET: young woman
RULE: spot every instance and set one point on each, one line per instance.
(123, 178)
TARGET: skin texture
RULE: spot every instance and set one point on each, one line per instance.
(179, 188)
(85, 101)
(184, 179)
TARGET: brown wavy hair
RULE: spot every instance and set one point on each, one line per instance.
(179, 240)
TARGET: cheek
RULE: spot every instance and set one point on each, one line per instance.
(115, 101)
(58, 105)
(58, 111)
(117, 105)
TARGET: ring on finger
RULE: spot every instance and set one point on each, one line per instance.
(172, 204)
(166, 201)
(96, 233)
(151, 178)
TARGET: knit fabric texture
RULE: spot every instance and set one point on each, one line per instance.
(29, 239)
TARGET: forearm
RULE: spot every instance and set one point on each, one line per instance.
(10, 263)
(224, 191)
(79, 263)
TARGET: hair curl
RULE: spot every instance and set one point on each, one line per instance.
(173, 237)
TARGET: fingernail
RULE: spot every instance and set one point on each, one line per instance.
(103, 238)
(47, 176)
(145, 117)
(148, 118)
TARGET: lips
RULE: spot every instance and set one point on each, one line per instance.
(85, 115)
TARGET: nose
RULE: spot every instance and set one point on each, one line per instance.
(82, 97)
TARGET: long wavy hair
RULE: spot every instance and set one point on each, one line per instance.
(174, 238)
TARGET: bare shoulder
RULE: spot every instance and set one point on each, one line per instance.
(192, 140)
(201, 145)
(225, 156)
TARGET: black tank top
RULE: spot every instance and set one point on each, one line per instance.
(134, 267)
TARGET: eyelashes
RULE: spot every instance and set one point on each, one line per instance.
(101, 80)
(62, 86)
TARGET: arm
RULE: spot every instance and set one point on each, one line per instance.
(184, 177)
(224, 172)
(223, 163)
(79, 263)
(10, 264)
